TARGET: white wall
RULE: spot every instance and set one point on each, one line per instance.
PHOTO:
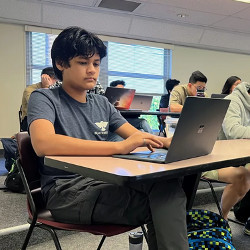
(217, 66)
(12, 76)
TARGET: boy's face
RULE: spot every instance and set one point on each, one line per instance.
(82, 73)
(192, 88)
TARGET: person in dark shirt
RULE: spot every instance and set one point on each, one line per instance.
(170, 84)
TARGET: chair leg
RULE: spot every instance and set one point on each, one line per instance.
(215, 198)
(53, 235)
(101, 242)
(144, 233)
(28, 235)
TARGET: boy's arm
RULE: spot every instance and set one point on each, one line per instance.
(175, 107)
(46, 142)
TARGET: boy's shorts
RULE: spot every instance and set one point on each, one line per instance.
(213, 174)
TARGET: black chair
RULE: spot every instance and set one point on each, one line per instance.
(38, 215)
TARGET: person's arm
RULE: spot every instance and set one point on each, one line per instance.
(175, 107)
(232, 125)
(46, 142)
(175, 101)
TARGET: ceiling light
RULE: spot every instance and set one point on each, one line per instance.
(243, 1)
(181, 15)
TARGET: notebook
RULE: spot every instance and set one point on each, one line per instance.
(195, 134)
(141, 102)
(121, 98)
(218, 96)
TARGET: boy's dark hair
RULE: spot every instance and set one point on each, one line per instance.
(72, 42)
(49, 71)
(117, 82)
(228, 84)
(197, 76)
(170, 84)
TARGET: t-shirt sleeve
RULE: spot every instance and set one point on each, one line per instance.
(175, 97)
(116, 119)
(40, 107)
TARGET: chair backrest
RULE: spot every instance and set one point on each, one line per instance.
(28, 159)
(163, 117)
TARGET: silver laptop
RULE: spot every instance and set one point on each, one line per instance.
(141, 102)
(195, 135)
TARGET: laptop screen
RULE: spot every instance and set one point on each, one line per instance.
(121, 98)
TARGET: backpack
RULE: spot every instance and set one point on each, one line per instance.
(242, 208)
(208, 230)
(13, 181)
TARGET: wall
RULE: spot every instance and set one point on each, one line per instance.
(217, 66)
(12, 76)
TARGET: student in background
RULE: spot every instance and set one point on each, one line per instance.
(139, 123)
(230, 84)
(48, 78)
(170, 84)
(236, 125)
(118, 84)
(69, 121)
(197, 82)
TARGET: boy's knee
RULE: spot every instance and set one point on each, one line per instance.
(242, 180)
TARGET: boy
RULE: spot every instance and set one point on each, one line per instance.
(66, 121)
(197, 82)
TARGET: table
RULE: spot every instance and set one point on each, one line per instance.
(122, 172)
(137, 113)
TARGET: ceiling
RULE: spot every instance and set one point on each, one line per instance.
(214, 24)
(225, 15)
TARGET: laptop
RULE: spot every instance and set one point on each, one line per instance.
(195, 134)
(141, 102)
(121, 98)
(220, 96)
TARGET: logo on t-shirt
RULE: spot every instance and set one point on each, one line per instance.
(102, 125)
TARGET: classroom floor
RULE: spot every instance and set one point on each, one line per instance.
(13, 216)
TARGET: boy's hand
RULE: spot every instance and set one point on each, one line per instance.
(166, 141)
(140, 139)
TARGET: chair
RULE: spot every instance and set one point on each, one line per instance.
(209, 182)
(38, 215)
(161, 120)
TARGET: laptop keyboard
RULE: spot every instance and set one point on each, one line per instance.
(153, 156)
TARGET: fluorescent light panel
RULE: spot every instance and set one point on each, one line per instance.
(243, 1)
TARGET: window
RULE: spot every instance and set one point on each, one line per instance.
(38, 47)
(144, 68)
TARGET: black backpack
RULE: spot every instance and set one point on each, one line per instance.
(13, 181)
(242, 208)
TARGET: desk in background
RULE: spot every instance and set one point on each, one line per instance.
(137, 113)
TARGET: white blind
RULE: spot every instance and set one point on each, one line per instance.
(144, 68)
(38, 48)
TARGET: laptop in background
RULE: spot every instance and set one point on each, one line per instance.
(121, 98)
(141, 102)
(195, 134)
(221, 96)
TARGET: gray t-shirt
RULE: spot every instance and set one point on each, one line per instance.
(90, 121)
